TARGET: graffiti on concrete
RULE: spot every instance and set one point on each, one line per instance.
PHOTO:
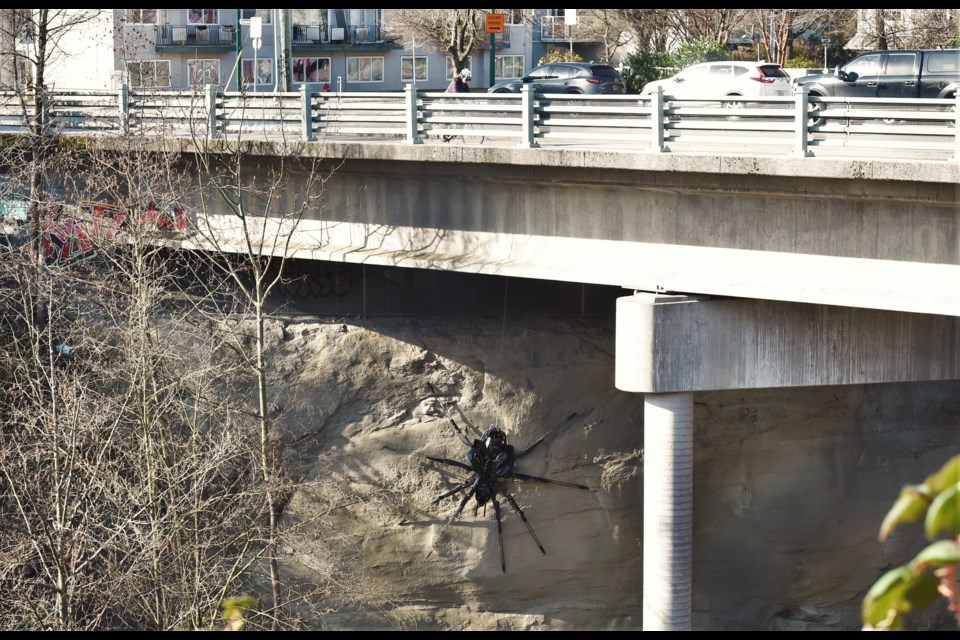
(75, 234)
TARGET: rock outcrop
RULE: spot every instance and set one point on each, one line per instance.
(790, 484)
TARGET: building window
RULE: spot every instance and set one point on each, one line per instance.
(512, 16)
(263, 14)
(451, 69)
(366, 69)
(203, 16)
(413, 69)
(203, 72)
(264, 71)
(509, 67)
(149, 73)
(364, 17)
(141, 16)
(311, 69)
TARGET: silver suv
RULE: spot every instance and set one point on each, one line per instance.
(567, 77)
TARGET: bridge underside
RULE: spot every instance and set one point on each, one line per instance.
(812, 238)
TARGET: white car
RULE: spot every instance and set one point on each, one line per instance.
(725, 78)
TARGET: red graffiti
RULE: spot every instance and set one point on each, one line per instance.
(68, 237)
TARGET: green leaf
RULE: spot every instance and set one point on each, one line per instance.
(909, 507)
(948, 475)
(944, 513)
(923, 590)
(895, 594)
(938, 554)
(884, 602)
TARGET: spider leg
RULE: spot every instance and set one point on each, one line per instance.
(453, 491)
(455, 463)
(496, 510)
(524, 476)
(463, 503)
(516, 507)
(524, 452)
(463, 436)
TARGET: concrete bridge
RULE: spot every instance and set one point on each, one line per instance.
(738, 272)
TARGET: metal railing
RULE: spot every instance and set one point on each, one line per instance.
(196, 35)
(799, 125)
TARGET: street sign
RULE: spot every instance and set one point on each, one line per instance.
(494, 22)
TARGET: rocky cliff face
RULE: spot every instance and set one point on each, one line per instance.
(790, 485)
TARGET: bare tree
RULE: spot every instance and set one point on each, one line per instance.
(126, 461)
(456, 32)
(907, 28)
(250, 226)
(32, 42)
(609, 26)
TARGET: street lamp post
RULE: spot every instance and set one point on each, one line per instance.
(826, 43)
(256, 31)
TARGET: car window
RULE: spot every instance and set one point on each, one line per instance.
(563, 72)
(773, 71)
(721, 70)
(901, 64)
(602, 71)
(943, 61)
(868, 65)
(694, 72)
(542, 72)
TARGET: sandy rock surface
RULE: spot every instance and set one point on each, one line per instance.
(790, 485)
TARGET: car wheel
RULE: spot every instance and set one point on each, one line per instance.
(503, 91)
(953, 110)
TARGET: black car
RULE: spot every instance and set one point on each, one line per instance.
(567, 77)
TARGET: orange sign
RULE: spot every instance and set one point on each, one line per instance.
(494, 22)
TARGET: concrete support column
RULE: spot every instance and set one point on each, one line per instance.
(667, 511)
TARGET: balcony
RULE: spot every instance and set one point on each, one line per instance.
(321, 36)
(364, 34)
(307, 34)
(197, 36)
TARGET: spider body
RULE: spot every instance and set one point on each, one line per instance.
(492, 461)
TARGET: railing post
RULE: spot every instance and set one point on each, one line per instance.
(527, 114)
(212, 130)
(410, 97)
(123, 105)
(956, 128)
(657, 121)
(306, 113)
(801, 128)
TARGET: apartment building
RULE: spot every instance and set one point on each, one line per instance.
(324, 49)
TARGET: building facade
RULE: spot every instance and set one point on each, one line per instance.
(270, 49)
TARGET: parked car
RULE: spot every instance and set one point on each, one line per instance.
(908, 73)
(567, 77)
(725, 78)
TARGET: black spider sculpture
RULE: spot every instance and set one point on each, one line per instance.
(492, 461)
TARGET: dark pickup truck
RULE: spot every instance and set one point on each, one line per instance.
(900, 73)
(914, 73)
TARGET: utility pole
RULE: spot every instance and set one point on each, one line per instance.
(493, 58)
(239, 47)
(256, 31)
(570, 18)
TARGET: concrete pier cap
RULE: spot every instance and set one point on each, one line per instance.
(668, 343)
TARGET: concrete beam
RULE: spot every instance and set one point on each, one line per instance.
(672, 343)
